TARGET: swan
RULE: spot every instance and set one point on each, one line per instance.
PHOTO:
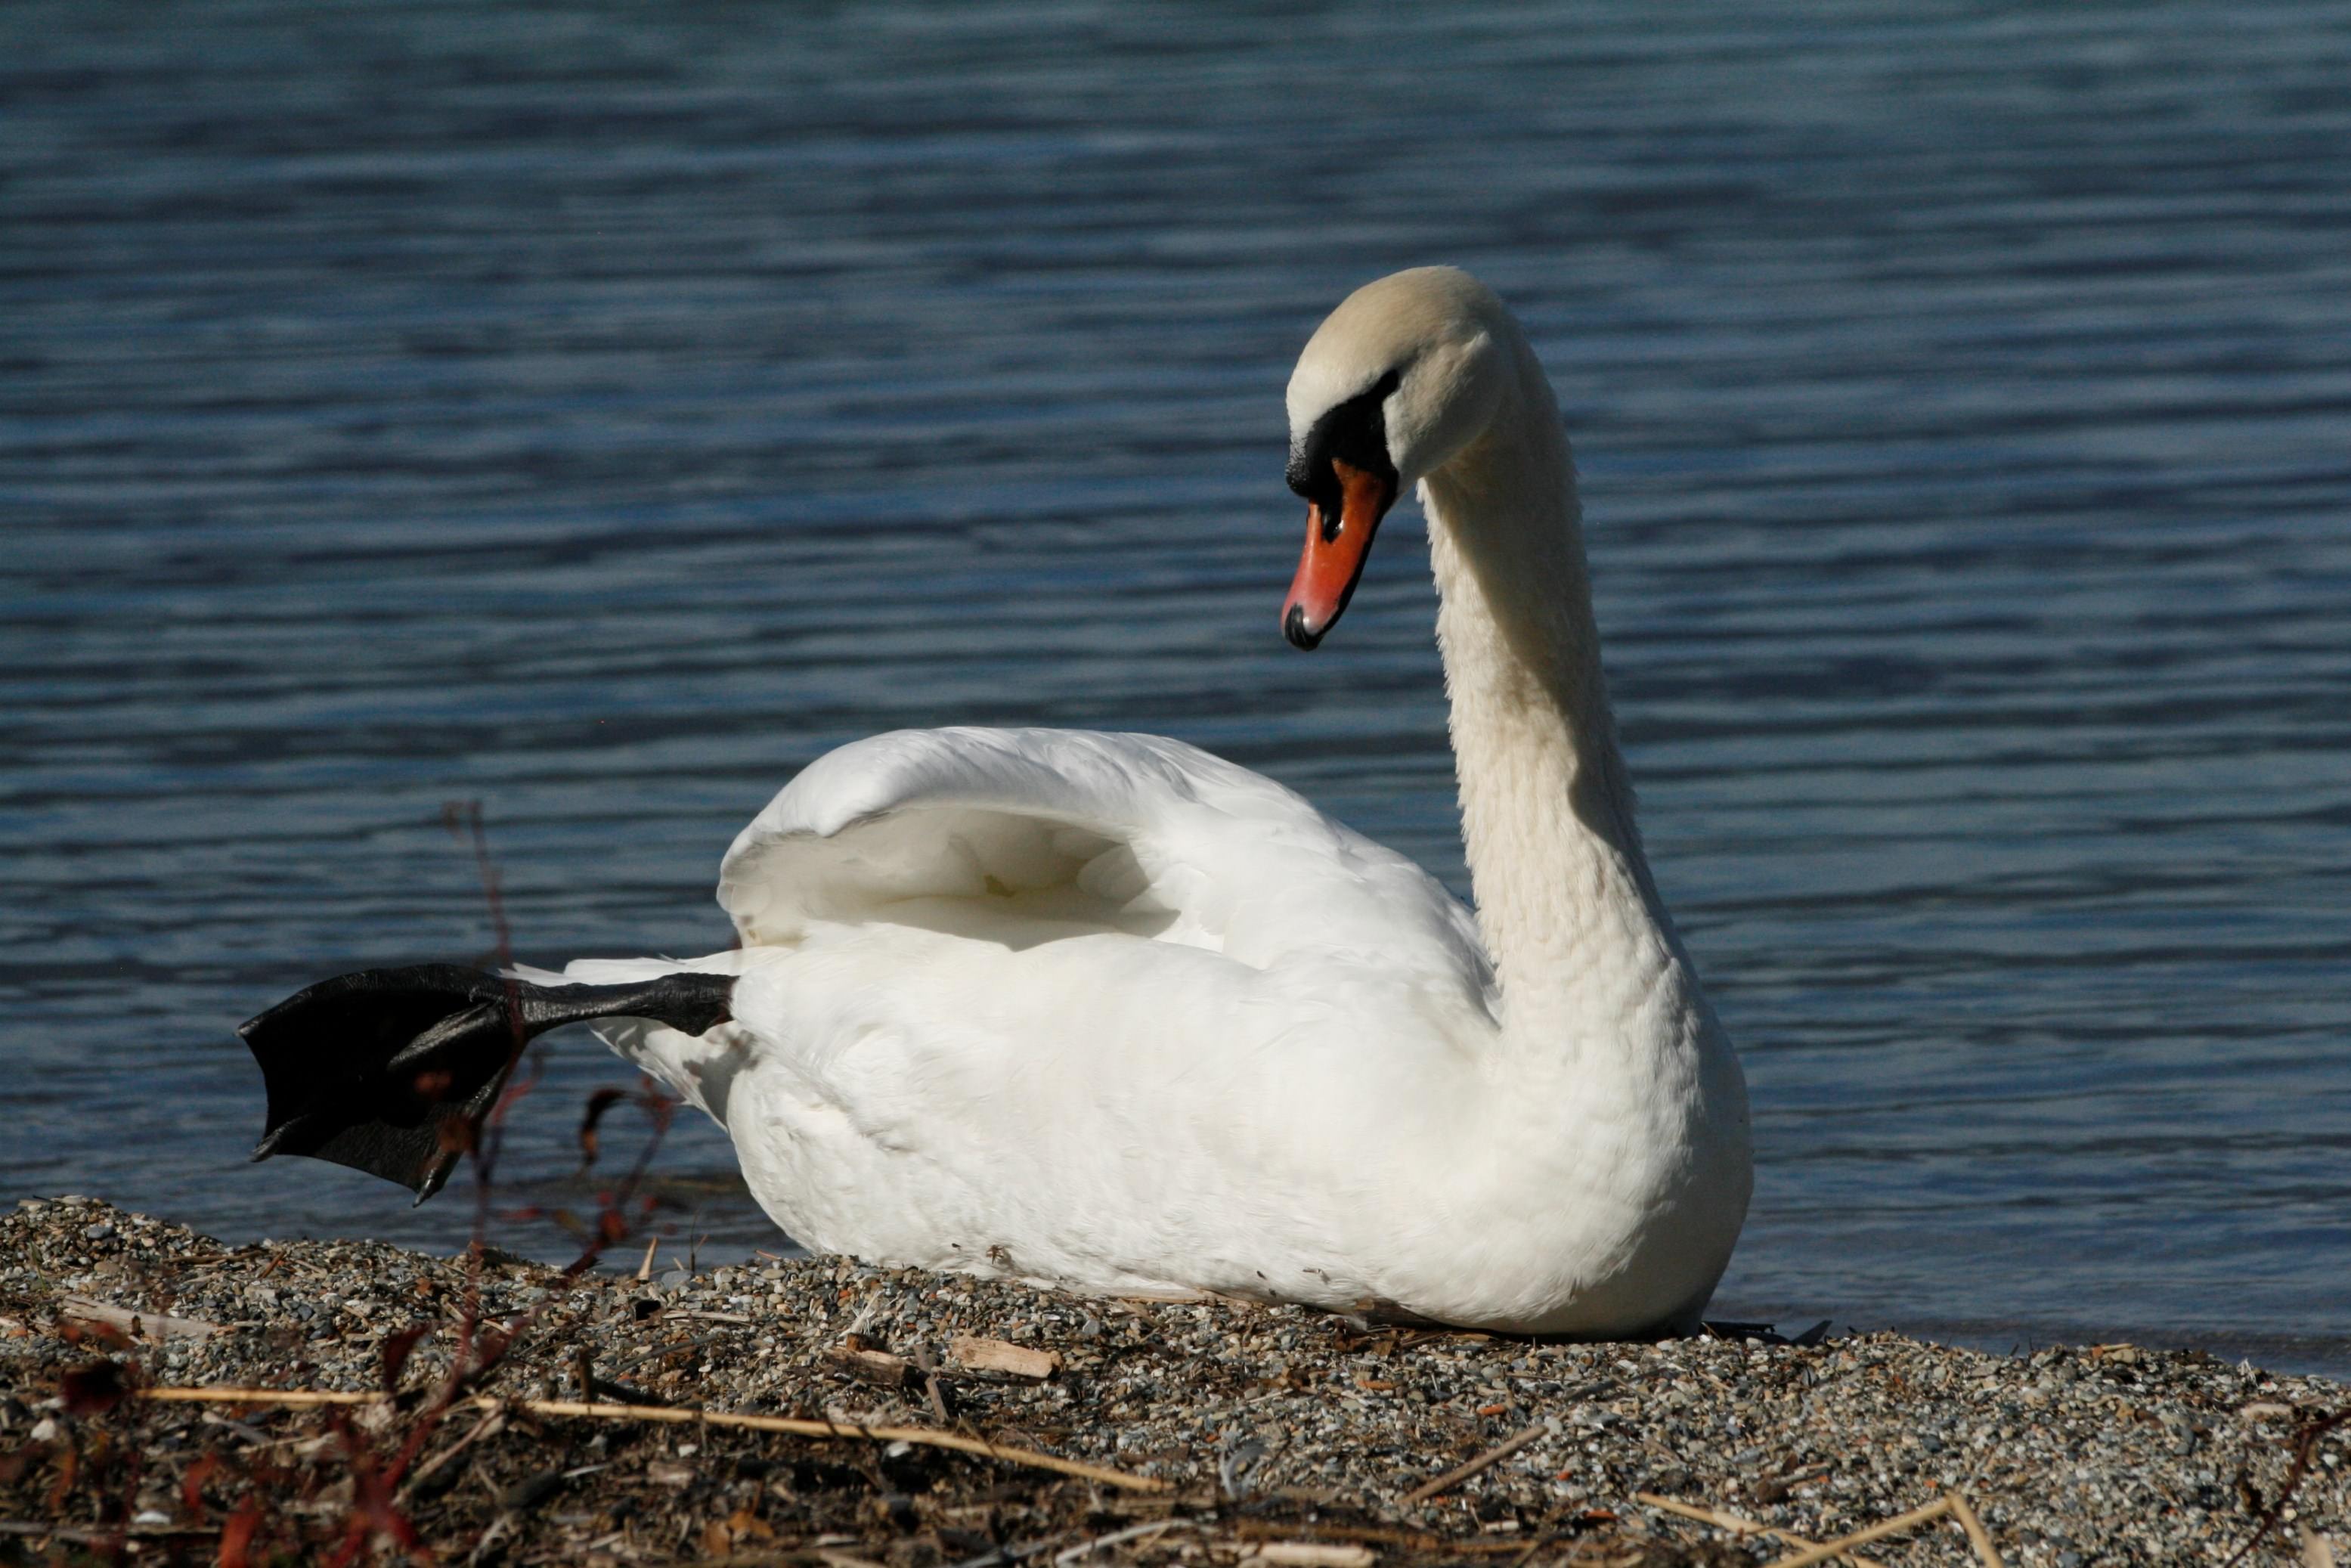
(1108, 1011)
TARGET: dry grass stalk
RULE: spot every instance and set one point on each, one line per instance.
(922, 1437)
(1487, 1460)
(1978, 1536)
(1837, 1548)
(288, 1399)
(1738, 1526)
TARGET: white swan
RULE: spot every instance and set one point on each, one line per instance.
(1106, 1010)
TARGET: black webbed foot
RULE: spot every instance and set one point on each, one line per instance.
(389, 1070)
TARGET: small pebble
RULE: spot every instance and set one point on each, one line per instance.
(2073, 1456)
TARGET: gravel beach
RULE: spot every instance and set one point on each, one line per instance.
(1227, 1431)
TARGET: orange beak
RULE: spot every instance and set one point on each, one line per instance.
(1336, 549)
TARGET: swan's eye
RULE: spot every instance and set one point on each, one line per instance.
(1354, 432)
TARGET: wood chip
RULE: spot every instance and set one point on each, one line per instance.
(878, 1367)
(157, 1326)
(1002, 1355)
(1312, 1554)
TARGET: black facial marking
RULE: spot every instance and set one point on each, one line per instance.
(1353, 433)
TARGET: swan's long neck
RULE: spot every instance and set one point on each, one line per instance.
(1580, 941)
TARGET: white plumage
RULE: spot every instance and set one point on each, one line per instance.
(1107, 1011)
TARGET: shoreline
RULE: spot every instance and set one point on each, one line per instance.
(1271, 1434)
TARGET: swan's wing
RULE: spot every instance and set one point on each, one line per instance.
(1097, 1007)
(956, 828)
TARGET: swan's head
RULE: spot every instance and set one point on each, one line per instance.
(1407, 372)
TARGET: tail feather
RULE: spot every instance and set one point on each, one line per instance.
(389, 1070)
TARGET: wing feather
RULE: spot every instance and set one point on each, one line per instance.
(1100, 831)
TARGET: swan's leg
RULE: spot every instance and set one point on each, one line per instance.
(387, 1071)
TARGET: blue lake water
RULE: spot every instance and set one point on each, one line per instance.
(597, 414)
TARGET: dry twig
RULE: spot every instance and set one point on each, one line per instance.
(1738, 1526)
(1422, 1541)
(922, 1437)
(1837, 1548)
(1978, 1536)
(1487, 1460)
(487, 1426)
(2306, 1447)
(1118, 1537)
